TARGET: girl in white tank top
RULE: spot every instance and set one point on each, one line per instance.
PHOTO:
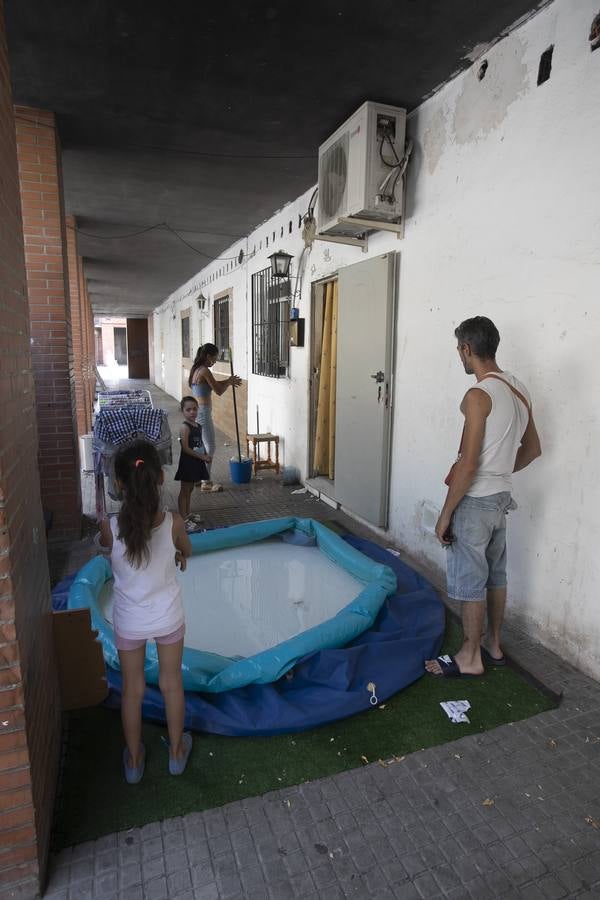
(146, 544)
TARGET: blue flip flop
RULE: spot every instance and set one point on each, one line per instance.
(133, 774)
(177, 766)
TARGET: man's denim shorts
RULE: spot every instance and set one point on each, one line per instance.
(476, 560)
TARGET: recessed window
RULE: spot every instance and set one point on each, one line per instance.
(545, 65)
(221, 326)
(482, 70)
(185, 337)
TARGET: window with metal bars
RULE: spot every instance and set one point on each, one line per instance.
(270, 324)
(221, 323)
(185, 337)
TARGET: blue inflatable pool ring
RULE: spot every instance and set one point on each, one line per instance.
(382, 637)
(210, 672)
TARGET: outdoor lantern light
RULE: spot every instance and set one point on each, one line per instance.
(280, 264)
(202, 302)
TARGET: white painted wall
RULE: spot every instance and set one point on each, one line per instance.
(503, 220)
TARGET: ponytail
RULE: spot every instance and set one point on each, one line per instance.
(137, 469)
(201, 357)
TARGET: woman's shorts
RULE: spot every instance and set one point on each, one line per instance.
(476, 560)
(123, 643)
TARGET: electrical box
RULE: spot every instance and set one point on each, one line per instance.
(297, 333)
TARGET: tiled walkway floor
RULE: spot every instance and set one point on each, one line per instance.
(512, 813)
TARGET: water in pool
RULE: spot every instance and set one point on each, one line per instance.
(246, 599)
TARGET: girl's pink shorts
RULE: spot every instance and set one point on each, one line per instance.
(123, 643)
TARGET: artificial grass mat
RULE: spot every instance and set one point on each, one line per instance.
(95, 800)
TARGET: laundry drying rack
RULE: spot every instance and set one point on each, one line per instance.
(121, 418)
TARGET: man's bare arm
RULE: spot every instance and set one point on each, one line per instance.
(530, 447)
(476, 407)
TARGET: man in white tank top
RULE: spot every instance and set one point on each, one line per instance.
(499, 438)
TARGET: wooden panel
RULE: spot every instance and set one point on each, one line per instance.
(81, 669)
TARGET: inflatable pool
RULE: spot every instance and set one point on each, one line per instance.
(286, 625)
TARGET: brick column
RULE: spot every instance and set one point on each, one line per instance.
(38, 153)
(90, 349)
(29, 706)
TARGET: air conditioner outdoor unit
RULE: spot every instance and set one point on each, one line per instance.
(359, 174)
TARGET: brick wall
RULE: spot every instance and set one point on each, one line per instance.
(38, 153)
(29, 708)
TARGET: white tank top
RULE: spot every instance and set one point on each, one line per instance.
(147, 601)
(504, 429)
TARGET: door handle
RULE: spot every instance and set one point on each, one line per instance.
(378, 377)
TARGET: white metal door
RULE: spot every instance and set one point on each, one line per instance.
(364, 383)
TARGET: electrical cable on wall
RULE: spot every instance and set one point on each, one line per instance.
(309, 231)
(396, 172)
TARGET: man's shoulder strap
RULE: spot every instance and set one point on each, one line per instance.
(516, 392)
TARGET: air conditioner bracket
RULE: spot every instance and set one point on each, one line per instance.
(362, 242)
(374, 224)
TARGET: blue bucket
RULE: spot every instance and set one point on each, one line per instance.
(241, 472)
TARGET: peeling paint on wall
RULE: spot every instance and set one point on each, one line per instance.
(434, 139)
(482, 106)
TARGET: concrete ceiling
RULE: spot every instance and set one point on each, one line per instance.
(208, 117)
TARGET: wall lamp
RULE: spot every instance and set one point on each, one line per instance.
(280, 264)
(202, 303)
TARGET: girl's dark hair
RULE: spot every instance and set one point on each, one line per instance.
(202, 355)
(185, 400)
(138, 468)
(481, 334)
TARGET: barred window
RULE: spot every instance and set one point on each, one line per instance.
(185, 337)
(221, 323)
(270, 324)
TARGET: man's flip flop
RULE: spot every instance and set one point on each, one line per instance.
(450, 669)
(492, 660)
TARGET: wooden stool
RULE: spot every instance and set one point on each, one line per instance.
(267, 439)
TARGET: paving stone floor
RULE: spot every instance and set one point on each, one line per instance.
(512, 813)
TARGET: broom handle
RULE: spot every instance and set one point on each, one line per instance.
(258, 432)
(237, 427)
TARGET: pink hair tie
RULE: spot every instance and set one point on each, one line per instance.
(139, 462)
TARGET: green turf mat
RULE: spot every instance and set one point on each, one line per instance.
(95, 800)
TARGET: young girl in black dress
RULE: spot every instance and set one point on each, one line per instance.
(193, 459)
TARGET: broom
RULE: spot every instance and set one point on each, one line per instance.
(237, 427)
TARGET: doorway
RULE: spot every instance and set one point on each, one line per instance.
(351, 385)
(120, 342)
(137, 342)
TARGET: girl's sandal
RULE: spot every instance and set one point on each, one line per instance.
(177, 766)
(133, 774)
(211, 486)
